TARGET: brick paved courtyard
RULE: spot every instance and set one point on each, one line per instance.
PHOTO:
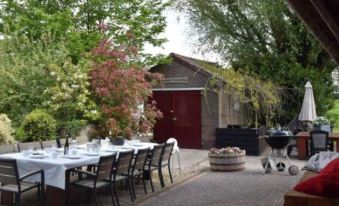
(199, 186)
(245, 188)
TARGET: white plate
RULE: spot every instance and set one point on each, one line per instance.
(60, 150)
(110, 150)
(72, 156)
(92, 153)
(126, 147)
(137, 145)
(38, 156)
(38, 153)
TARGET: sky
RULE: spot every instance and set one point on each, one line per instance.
(179, 41)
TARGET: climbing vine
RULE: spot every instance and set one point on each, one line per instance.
(262, 98)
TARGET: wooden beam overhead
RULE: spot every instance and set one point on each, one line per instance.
(327, 17)
(317, 16)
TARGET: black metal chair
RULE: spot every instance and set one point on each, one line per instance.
(96, 180)
(153, 161)
(29, 145)
(61, 142)
(165, 161)
(158, 161)
(138, 168)
(292, 144)
(49, 143)
(319, 141)
(121, 172)
(11, 181)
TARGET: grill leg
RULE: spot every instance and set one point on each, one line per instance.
(273, 154)
(269, 156)
(288, 159)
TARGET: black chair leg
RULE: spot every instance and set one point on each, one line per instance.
(41, 197)
(133, 189)
(161, 177)
(130, 189)
(115, 193)
(170, 173)
(95, 197)
(151, 181)
(111, 192)
(67, 173)
(143, 183)
(39, 191)
(18, 199)
(88, 194)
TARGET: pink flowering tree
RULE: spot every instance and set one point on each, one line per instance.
(120, 87)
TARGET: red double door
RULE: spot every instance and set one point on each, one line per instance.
(181, 117)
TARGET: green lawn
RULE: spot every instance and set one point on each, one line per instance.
(333, 116)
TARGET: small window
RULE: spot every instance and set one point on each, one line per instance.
(236, 103)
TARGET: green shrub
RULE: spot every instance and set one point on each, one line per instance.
(71, 128)
(38, 125)
(333, 116)
(6, 130)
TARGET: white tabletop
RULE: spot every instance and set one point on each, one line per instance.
(55, 166)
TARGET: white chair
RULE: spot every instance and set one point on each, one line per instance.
(175, 151)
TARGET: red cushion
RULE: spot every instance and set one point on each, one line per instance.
(326, 185)
(331, 168)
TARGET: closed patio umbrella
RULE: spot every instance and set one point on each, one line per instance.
(308, 112)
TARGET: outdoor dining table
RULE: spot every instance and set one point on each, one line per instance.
(56, 167)
(302, 143)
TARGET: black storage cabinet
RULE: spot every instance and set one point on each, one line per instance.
(250, 139)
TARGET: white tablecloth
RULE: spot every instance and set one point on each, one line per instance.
(55, 168)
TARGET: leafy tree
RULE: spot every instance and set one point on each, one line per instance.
(70, 100)
(120, 87)
(77, 22)
(266, 39)
(40, 74)
(24, 74)
(46, 45)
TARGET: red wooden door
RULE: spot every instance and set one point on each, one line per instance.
(181, 117)
(163, 128)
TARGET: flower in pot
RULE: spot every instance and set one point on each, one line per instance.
(322, 123)
(227, 159)
(230, 151)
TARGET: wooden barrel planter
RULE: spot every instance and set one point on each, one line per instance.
(226, 162)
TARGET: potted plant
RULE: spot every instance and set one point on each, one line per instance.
(227, 159)
(117, 140)
(322, 123)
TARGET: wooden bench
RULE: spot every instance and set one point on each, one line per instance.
(295, 198)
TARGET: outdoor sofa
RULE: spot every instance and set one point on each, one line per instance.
(295, 198)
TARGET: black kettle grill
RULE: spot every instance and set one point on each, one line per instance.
(278, 141)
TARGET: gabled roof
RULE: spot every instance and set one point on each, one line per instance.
(191, 63)
(322, 18)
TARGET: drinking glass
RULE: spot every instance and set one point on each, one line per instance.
(55, 154)
(25, 152)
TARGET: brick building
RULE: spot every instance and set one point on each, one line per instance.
(192, 113)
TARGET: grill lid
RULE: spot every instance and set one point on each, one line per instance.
(274, 133)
